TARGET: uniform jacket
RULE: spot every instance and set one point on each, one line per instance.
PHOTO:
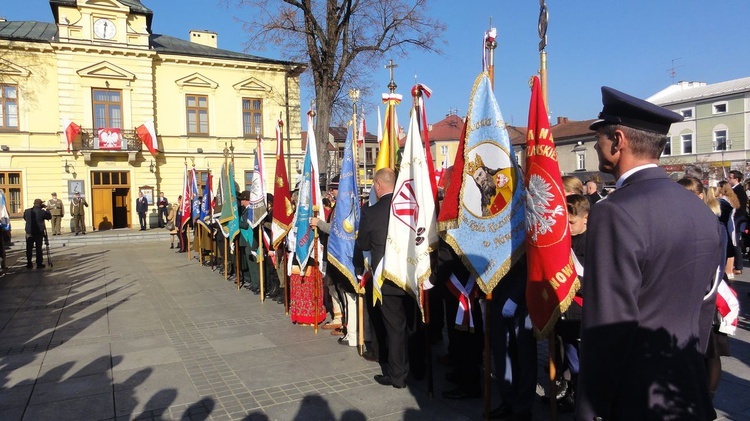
(652, 253)
(35, 217)
(373, 231)
(77, 206)
(55, 207)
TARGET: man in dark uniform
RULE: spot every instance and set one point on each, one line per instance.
(35, 217)
(653, 251)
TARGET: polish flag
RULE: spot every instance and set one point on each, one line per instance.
(147, 133)
(71, 130)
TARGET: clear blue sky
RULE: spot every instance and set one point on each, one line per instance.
(627, 45)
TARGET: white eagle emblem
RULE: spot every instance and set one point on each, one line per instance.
(539, 217)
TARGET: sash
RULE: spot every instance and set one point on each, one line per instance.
(464, 295)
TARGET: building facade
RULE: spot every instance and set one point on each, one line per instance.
(715, 134)
(99, 66)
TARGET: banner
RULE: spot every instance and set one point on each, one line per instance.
(110, 139)
(206, 203)
(346, 214)
(283, 212)
(486, 199)
(257, 206)
(229, 219)
(412, 226)
(552, 280)
(186, 202)
(310, 201)
(195, 196)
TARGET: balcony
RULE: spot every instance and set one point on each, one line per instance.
(128, 143)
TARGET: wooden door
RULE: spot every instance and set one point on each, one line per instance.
(101, 204)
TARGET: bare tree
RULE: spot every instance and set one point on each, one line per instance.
(341, 40)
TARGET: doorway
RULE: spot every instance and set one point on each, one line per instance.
(110, 198)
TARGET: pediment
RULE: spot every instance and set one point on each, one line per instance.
(253, 85)
(196, 80)
(109, 4)
(9, 69)
(106, 70)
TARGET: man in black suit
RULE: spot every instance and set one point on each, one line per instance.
(740, 217)
(592, 192)
(398, 308)
(141, 206)
(35, 230)
(653, 251)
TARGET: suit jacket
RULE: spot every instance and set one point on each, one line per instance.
(652, 253)
(741, 213)
(373, 231)
(141, 205)
(35, 217)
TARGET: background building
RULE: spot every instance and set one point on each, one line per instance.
(99, 66)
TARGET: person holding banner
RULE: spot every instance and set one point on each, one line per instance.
(646, 321)
(398, 309)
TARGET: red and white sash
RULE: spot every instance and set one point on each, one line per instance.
(464, 296)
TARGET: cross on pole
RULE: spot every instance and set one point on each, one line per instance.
(392, 84)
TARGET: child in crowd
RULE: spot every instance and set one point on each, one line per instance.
(569, 325)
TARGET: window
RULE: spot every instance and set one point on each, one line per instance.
(444, 150)
(252, 117)
(8, 107)
(687, 113)
(687, 143)
(668, 147)
(720, 108)
(580, 160)
(196, 107)
(248, 180)
(201, 176)
(368, 156)
(107, 109)
(10, 183)
(720, 140)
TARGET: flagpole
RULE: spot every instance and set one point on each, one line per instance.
(226, 243)
(354, 96)
(552, 338)
(489, 44)
(392, 129)
(260, 224)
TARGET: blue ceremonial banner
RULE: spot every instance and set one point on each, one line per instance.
(309, 197)
(205, 211)
(491, 233)
(345, 222)
(195, 196)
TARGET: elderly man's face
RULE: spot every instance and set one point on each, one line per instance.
(590, 187)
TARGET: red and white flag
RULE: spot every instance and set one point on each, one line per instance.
(71, 130)
(552, 280)
(147, 133)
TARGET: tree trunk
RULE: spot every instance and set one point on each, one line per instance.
(324, 107)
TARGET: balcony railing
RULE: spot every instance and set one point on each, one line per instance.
(90, 141)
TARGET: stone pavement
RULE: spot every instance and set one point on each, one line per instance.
(123, 328)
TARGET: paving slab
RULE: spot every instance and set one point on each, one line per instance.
(122, 328)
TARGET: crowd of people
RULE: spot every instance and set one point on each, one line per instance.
(641, 339)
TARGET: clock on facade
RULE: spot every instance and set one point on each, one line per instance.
(104, 29)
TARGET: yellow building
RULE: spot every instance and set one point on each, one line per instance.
(100, 66)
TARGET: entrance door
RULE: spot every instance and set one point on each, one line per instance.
(102, 208)
(111, 196)
(121, 211)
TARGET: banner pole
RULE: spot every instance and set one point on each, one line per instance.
(260, 264)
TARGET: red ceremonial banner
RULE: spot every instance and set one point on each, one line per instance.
(552, 280)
